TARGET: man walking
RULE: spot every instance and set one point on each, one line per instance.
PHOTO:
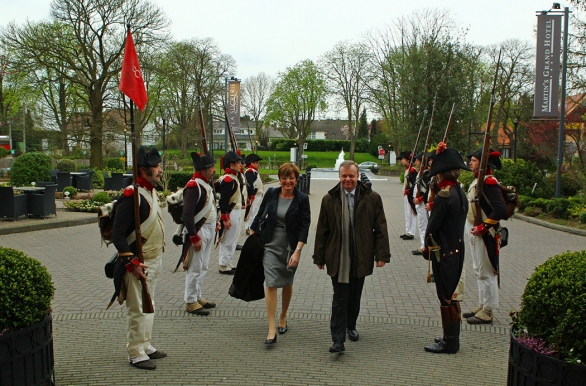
(350, 213)
(128, 269)
(199, 217)
(409, 182)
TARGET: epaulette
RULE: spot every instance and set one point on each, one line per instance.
(191, 184)
(444, 192)
(490, 180)
(227, 179)
(412, 170)
(250, 170)
(129, 191)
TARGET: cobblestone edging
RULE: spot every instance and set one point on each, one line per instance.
(546, 224)
(292, 316)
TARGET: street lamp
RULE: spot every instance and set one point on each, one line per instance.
(125, 150)
(515, 124)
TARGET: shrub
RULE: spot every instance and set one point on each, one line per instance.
(533, 211)
(4, 152)
(553, 305)
(402, 177)
(66, 165)
(523, 175)
(101, 198)
(558, 207)
(178, 179)
(26, 290)
(98, 179)
(115, 164)
(82, 205)
(72, 191)
(582, 217)
(466, 179)
(30, 167)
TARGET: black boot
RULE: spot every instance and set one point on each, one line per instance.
(450, 344)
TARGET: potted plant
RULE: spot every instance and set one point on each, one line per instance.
(26, 335)
(548, 338)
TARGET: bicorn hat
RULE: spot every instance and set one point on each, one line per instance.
(231, 157)
(252, 158)
(404, 154)
(494, 158)
(150, 159)
(202, 162)
(447, 159)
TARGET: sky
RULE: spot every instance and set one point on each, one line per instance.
(271, 35)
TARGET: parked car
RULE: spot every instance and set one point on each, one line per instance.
(368, 165)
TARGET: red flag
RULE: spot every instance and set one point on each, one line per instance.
(131, 82)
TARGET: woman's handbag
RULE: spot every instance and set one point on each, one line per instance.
(109, 267)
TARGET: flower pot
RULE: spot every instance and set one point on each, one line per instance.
(26, 355)
(527, 367)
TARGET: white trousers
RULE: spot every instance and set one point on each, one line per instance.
(229, 239)
(140, 325)
(410, 219)
(199, 262)
(253, 210)
(421, 222)
(486, 279)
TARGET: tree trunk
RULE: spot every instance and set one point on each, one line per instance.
(96, 159)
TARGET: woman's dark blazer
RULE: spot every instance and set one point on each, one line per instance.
(298, 217)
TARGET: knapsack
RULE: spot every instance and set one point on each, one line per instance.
(511, 200)
(106, 221)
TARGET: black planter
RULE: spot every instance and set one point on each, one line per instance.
(26, 355)
(527, 367)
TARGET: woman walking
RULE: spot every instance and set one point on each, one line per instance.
(282, 223)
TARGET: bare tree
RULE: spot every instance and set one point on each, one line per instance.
(345, 70)
(256, 91)
(84, 43)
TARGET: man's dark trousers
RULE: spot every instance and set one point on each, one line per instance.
(345, 307)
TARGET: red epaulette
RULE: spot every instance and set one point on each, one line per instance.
(490, 180)
(191, 184)
(227, 179)
(129, 191)
(412, 170)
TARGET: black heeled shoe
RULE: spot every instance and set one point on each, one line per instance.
(271, 341)
(282, 330)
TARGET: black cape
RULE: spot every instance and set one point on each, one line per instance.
(248, 281)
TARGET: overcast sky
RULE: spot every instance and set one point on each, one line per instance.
(270, 35)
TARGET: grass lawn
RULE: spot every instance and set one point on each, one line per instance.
(314, 158)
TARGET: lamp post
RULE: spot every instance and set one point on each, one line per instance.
(163, 136)
(515, 124)
(125, 155)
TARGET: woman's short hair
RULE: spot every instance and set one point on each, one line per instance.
(452, 174)
(287, 169)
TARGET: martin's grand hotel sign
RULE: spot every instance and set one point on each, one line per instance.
(547, 66)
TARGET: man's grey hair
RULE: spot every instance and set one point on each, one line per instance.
(347, 164)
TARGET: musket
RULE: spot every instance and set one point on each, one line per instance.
(147, 301)
(431, 195)
(485, 150)
(406, 180)
(424, 158)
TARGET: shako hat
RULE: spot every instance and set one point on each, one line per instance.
(404, 154)
(447, 159)
(419, 156)
(231, 157)
(150, 159)
(252, 158)
(494, 158)
(202, 162)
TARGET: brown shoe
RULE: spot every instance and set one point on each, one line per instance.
(484, 316)
(197, 309)
(145, 365)
(157, 354)
(207, 305)
(472, 312)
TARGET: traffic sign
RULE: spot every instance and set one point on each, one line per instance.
(381, 152)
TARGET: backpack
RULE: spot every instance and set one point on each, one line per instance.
(106, 221)
(175, 206)
(511, 200)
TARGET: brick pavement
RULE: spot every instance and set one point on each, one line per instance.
(399, 315)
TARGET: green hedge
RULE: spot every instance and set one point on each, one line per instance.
(66, 165)
(284, 144)
(26, 290)
(523, 175)
(553, 305)
(178, 179)
(30, 167)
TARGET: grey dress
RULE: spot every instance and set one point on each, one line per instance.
(277, 251)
